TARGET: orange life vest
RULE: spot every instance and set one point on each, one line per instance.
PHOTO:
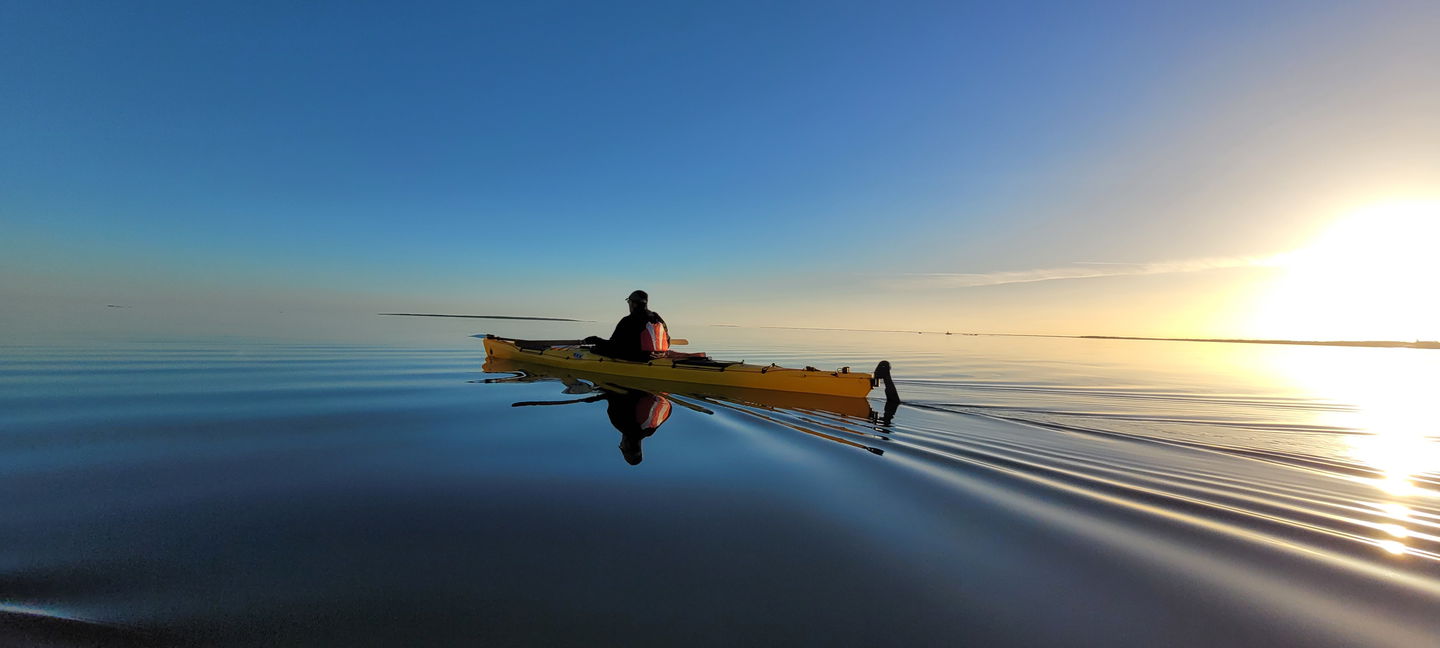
(655, 338)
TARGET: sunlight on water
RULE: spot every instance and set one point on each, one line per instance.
(1386, 397)
(1386, 401)
(1274, 495)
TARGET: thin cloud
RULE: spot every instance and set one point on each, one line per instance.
(1092, 270)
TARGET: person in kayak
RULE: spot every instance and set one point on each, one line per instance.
(639, 336)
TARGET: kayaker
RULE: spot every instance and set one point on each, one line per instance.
(639, 336)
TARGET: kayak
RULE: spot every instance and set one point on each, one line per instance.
(852, 406)
(697, 371)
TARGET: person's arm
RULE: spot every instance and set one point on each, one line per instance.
(615, 335)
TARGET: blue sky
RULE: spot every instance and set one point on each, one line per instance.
(755, 162)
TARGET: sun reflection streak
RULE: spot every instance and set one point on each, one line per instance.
(1395, 530)
(1392, 546)
(1396, 510)
(1383, 397)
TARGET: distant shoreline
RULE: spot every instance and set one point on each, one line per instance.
(1384, 344)
(499, 317)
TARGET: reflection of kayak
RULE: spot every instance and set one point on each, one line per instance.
(843, 405)
(640, 398)
(699, 371)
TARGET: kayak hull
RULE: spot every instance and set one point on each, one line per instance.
(852, 406)
(747, 376)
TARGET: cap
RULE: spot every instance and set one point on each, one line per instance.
(639, 296)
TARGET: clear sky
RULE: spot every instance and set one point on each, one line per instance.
(1141, 168)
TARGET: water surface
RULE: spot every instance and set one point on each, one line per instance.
(1030, 492)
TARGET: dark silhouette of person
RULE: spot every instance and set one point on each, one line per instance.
(637, 415)
(639, 336)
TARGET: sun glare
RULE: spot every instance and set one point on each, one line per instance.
(1371, 276)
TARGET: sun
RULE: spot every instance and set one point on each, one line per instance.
(1373, 275)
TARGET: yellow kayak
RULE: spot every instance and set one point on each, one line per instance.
(699, 371)
(852, 406)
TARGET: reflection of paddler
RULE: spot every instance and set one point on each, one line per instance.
(636, 414)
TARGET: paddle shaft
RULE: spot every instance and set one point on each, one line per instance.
(535, 343)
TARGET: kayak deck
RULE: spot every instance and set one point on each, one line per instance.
(685, 370)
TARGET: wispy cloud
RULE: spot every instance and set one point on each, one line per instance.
(1093, 270)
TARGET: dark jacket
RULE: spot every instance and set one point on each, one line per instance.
(624, 343)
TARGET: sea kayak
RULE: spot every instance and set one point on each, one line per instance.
(852, 406)
(698, 371)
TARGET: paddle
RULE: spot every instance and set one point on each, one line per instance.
(563, 402)
(555, 343)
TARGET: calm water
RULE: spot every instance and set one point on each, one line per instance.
(1030, 492)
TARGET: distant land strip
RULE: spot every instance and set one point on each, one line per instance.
(1392, 344)
(499, 317)
(1388, 344)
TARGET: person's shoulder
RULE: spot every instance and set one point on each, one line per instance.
(655, 317)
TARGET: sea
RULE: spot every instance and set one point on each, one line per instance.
(1028, 491)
